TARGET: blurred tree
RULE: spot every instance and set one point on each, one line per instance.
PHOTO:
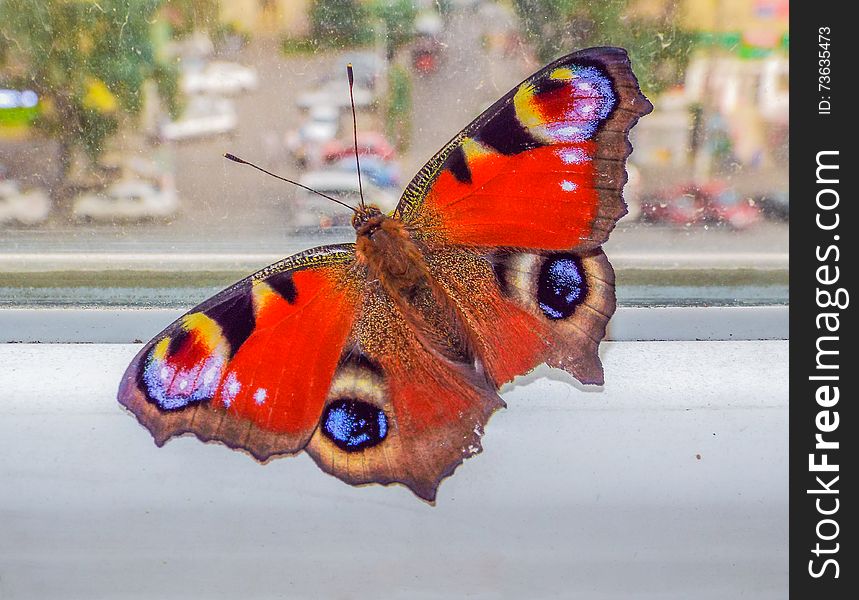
(339, 23)
(659, 49)
(87, 61)
(398, 124)
(399, 19)
(187, 16)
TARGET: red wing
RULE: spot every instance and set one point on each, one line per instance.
(251, 366)
(543, 168)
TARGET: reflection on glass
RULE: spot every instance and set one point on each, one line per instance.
(114, 120)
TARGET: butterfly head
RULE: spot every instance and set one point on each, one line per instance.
(367, 219)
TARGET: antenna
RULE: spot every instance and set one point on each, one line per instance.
(355, 130)
(241, 161)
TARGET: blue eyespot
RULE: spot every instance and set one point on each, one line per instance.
(561, 286)
(354, 425)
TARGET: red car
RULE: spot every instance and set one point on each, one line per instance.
(691, 204)
(370, 143)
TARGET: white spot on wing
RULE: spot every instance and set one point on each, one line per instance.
(260, 395)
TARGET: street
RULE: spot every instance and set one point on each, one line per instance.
(234, 210)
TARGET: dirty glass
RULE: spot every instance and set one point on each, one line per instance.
(115, 115)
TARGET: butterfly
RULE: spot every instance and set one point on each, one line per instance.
(382, 359)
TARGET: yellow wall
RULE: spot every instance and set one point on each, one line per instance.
(267, 16)
(760, 21)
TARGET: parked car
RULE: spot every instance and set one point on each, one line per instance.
(310, 210)
(335, 92)
(370, 143)
(27, 208)
(219, 78)
(775, 205)
(204, 115)
(305, 144)
(129, 200)
(368, 68)
(714, 203)
(384, 174)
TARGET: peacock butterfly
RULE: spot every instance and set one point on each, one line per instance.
(382, 359)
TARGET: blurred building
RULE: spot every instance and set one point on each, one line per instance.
(733, 104)
(267, 16)
(758, 23)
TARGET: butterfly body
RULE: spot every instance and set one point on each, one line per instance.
(382, 359)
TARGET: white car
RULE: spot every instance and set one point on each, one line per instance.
(203, 116)
(322, 125)
(220, 78)
(335, 93)
(311, 210)
(127, 201)
(26, 208)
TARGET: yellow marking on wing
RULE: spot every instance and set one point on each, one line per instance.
(359, 384)
(206, 329)
(474, 149)
(262, 295)
(526, 107)
(159, 352)
(563, 74)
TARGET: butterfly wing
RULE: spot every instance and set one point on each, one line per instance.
(526, 308)
(542, 168)
(514, 209)
(398, 411)
(251, 366)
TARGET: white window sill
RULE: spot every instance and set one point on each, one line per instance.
(591, 494)
(125, 325)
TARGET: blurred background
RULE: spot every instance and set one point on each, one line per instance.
(114, 117)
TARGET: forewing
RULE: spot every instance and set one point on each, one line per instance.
(543, 168)
(251, 366)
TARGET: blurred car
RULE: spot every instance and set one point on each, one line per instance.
(713, 203)
(367, 67)
(335, 92)
(426, 52)
(382, 173)
(310, 210)
(370, 143)
(305, 144)
(219, 78)
(27, 208)
(204, 115)
(129, 200)
(775, 205)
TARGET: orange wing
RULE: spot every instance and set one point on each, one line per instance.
(543, 168)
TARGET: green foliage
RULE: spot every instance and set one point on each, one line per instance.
(658, 49)
(87, 61)
(296, 45)
(399, 107)
(339, 23)
(185, 16)
(399, 19)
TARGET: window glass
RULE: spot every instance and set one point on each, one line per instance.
(115, 115)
